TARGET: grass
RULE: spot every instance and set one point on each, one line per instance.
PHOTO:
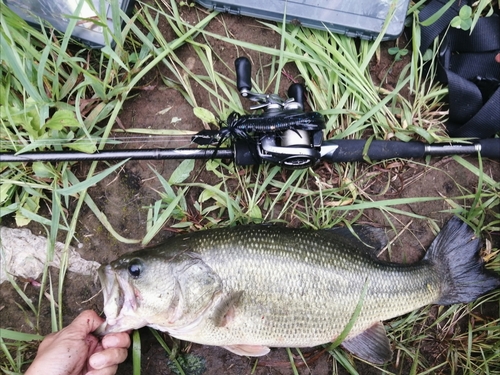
(58, 95)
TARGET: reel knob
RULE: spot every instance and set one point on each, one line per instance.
(243, 75)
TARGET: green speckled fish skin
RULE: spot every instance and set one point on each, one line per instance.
(302, 287)
(252, 287)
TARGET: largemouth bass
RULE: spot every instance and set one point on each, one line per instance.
(250, 288)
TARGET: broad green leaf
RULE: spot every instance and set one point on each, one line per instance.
(465, 12)
(62, 119)
(393, 50)
(181, 172)
(42, 170)
(4, 192)
(427, 55)
(466, 24)
(205, 115)
(209, 193)
(254, 212)
(82, 146)
(21, 220)
(33, 113)
(456, 22)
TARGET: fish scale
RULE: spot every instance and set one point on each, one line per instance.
(249, 288)
(301, 293)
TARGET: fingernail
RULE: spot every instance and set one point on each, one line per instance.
(97, 361)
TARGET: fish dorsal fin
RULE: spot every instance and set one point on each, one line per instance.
(248, 350)
(371, 345)
(367, 237)
(224, 311)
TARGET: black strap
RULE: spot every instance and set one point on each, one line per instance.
(431, 32)
(469, 64)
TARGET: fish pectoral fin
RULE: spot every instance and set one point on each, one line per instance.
(371, 345)
(248, 350)
(224, 311)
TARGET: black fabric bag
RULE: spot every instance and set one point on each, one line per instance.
(470, 65)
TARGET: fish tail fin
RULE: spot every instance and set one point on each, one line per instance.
(455, 255)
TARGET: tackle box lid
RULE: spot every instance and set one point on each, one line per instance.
(355, 18)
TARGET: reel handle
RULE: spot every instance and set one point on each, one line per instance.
(297, 92)
(243, 75)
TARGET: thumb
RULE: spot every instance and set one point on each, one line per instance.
(87, 322)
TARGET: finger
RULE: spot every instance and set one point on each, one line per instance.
(47, 341)
(108, 357)
(87, 321)
(93, 344)
(116, 340)
(104, 371)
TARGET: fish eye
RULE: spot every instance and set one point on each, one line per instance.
(135, 268)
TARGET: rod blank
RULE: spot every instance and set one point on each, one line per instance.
(146, 154)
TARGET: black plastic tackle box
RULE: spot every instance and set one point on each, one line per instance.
(356, 18)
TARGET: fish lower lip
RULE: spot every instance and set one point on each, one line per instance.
(111, 292)
(104, 285)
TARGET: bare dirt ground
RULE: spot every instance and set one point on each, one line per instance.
(124, 196)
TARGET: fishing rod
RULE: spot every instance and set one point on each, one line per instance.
(283, 134)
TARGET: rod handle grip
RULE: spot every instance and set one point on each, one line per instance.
(490, 148)
(348, 150)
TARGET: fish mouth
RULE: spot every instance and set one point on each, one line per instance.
(119, 300)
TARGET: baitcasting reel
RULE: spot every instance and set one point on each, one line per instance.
(281, 134)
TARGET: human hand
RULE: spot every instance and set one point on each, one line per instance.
(75, 351)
